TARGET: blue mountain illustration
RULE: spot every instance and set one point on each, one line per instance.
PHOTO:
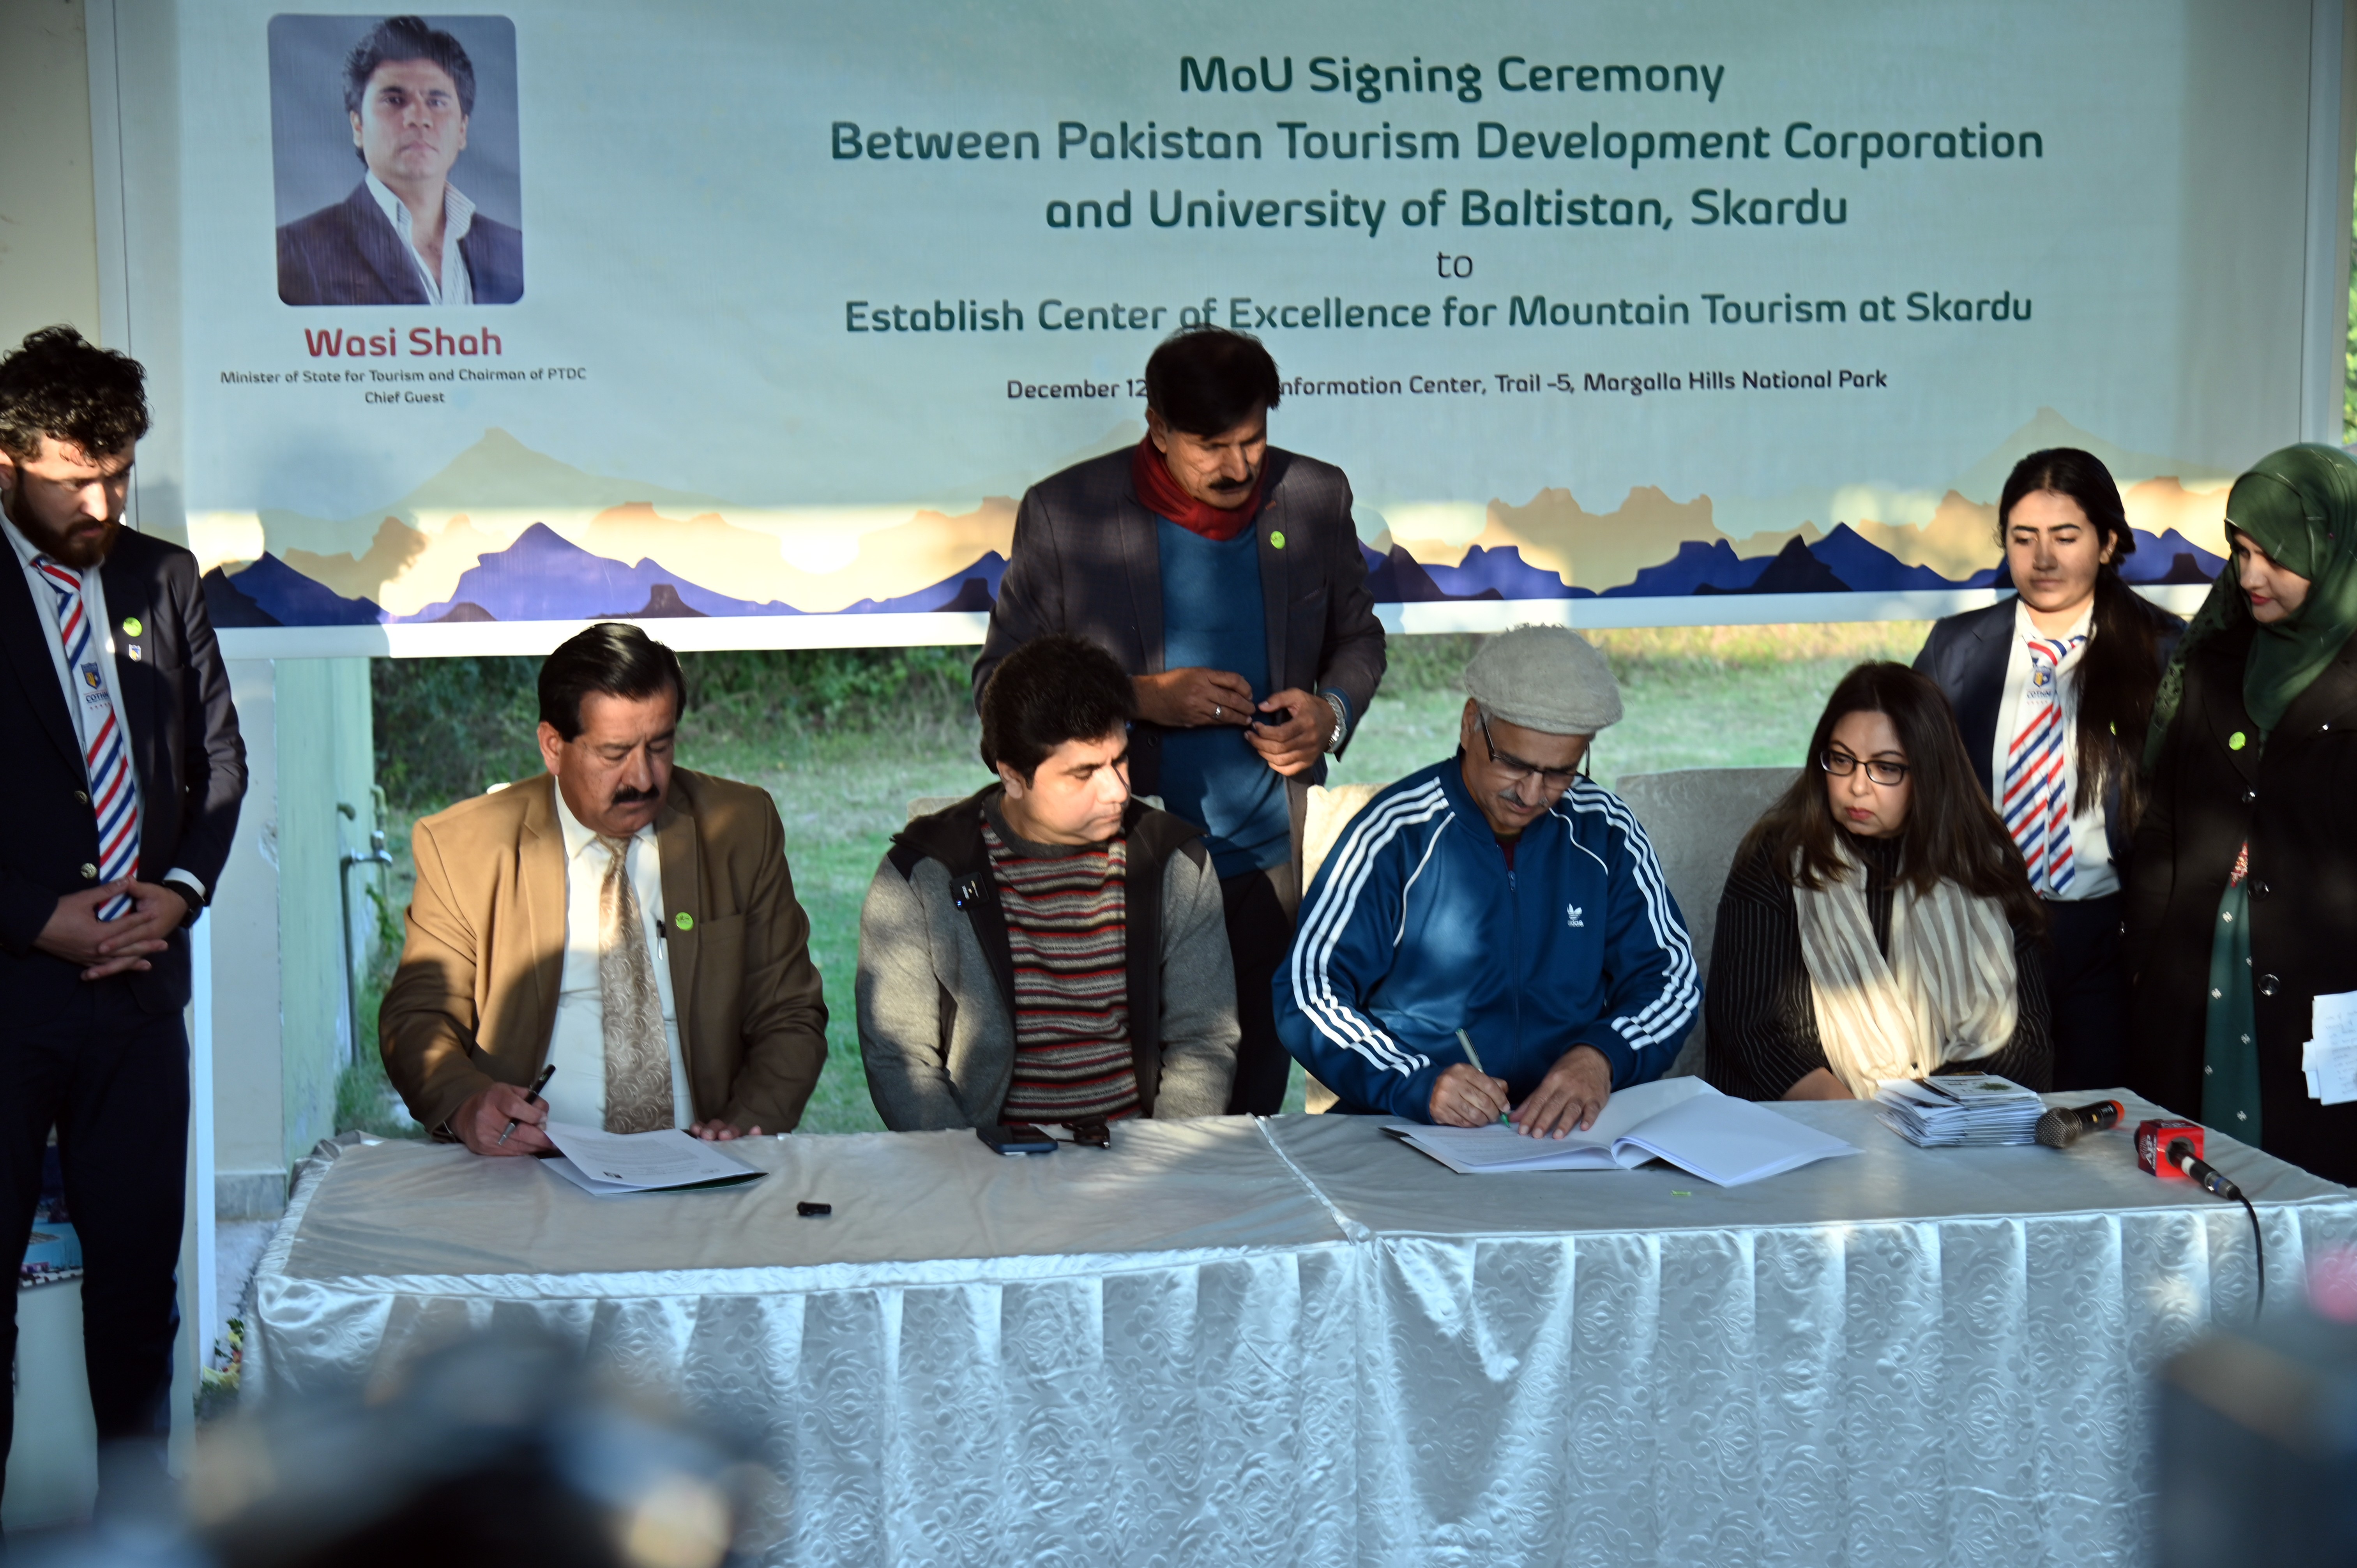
(1792, 570)
(1874, 569)
(271, 593)
(2161, 559)
(1696, 567)
(545, 576)
(975, 588)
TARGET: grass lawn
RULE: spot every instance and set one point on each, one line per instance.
(1702, 697)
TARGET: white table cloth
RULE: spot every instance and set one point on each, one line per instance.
(1907, 1356)
(1298, 1341)
(1088, 1357)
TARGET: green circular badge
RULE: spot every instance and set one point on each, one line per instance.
(2236, 741)
(1276, 539)
(131, 624)
(683, 920)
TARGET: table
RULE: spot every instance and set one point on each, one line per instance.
(1092, 1357)
(1298, 1341)
(1906, 1355)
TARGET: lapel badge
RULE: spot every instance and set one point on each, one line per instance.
(131, 627)
(2235, 742)
(1276, 539)
(683, 920)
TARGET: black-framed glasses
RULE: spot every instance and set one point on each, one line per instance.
(1551, 777)
(1841, 765)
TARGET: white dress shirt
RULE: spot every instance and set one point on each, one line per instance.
(89, 708)
(455, 286)
(2092, 874)
(576, 1044)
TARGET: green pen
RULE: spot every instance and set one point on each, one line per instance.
(1474, 1057)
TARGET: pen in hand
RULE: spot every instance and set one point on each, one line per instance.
(532, 1096)
(1474, 1058)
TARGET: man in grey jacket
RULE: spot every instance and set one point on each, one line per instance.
(1050, 949)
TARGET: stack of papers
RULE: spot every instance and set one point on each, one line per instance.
(1681, 1120)
(2330, 1059)
(1967, 1110)
(606, 1164)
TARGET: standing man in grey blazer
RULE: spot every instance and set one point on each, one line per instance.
(1224, 575)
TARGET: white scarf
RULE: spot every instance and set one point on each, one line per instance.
(1946, 994)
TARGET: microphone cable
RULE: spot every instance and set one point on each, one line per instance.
(2181, 1154)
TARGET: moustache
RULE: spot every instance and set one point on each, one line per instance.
(625, 796)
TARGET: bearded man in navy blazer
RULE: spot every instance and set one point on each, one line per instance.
(405, 235)
(122, 789)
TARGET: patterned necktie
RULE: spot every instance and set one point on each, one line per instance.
(106, 759)
(2036, 807)
(637, 1056)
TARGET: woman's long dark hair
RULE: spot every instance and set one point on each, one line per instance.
(2120, 673)
(1952, 833)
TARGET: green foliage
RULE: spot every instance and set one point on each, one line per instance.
(2349, 377)
(217, 1383)
(364, 1096)
(448, 728)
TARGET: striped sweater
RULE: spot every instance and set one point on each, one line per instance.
(1067, 933)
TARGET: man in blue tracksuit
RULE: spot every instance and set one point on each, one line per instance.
(1500, 892)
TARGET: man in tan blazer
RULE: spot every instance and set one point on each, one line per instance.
(632, 922)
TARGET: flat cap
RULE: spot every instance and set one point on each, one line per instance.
(1546, 678)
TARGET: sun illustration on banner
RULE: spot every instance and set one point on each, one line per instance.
(505, 533)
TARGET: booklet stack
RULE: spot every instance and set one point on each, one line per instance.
(1959, 1110)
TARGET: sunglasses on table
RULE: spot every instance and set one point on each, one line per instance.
(1841, 765)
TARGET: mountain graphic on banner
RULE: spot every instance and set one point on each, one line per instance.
(506, 533)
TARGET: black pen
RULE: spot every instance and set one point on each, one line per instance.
(530, 1097)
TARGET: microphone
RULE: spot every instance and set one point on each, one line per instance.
(2182, 1156)
(2066, 1124)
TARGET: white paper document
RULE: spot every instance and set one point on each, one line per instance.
(606, 1163)
(2330, 1059)
(1959, 1110)
(1681, 1120)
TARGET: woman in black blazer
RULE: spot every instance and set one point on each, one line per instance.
(2242, 907)
(2053, 691)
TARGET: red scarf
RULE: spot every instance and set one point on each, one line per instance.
(1162, 494)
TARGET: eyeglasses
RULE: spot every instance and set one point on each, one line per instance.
(1549, 777)
(1841, 765)
(1092, 1133)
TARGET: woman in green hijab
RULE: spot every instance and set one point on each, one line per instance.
(2242, 893)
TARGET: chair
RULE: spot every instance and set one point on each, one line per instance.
(1697, 818)
(1329, 812)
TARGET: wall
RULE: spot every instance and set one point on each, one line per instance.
(49, 231)
(281, 1012)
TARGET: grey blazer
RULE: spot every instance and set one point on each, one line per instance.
(1085, 561)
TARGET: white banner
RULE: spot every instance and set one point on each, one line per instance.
(764, 317)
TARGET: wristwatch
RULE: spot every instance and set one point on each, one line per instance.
(1341, 720)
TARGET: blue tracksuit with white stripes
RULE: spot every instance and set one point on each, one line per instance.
(1415, 928)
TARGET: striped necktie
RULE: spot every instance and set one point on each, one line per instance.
(2036, 807)
(106, 758)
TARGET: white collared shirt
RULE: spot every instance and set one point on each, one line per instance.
(576, 1044)
(2092, 874)
(455, 286)
(87, 710)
